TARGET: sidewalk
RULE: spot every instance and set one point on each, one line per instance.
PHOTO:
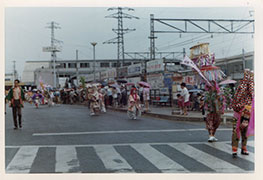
(166, 113)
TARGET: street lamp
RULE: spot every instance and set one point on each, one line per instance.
(93, 44)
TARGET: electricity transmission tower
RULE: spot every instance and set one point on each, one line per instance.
(120, 31)
(53, 48)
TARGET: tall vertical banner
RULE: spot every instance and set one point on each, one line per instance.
(188, 62)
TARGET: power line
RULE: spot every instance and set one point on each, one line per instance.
(120, 31)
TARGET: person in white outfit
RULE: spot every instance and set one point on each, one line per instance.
(185, 94)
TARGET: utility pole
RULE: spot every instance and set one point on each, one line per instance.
(120, 31)
(77, 71)
(53, 49)
(94, 61)
(14, 71)
(152, 38)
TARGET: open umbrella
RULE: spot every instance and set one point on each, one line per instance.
(114, 85)
(228, 81)
(145, 84)
(130, 84)
(121, 81)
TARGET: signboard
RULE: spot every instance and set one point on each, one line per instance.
(177, 77)
(62, 81)
(134, 69)
(155, 80)
(189, 80)
(97, 76)
(155, 66)
(123, 72)
(51, 49)
(168, 81)
(89, 77)
(111, 73)
(104, 75)
(172, 68)
(164, 91)
(134, 80)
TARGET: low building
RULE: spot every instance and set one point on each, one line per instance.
(233, 66)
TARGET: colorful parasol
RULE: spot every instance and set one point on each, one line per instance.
(228, 81)
(145, 84)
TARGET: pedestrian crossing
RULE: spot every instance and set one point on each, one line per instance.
(129, 158)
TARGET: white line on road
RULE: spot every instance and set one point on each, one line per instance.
(215, 163)
(112, 160)
(228, 148)
(66, 159)
(116, 144)
(162, 162)
(23, 160)
(125, 131)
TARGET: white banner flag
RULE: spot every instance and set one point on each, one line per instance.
(188, 62)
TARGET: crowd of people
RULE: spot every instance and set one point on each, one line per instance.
(99, 97)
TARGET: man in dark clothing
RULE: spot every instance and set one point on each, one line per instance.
(16, 98)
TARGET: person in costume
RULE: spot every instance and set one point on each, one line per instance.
(16, 98)
(243, 106)
(214, 105)
(93, 98)
(134, 101)
(37, 98)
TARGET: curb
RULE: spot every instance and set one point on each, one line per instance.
(169, 117)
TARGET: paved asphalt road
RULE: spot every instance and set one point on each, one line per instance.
(65, 139)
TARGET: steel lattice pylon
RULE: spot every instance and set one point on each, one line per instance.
(120, 31)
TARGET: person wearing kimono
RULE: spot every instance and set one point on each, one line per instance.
(134, 102)
(93, 98)
(16, 97)
(214, 103)
(243, 106)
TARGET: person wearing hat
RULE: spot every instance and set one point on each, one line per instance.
(16, 98)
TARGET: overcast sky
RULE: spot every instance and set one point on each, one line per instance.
(26, 32)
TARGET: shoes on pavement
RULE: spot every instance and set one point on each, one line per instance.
(134, 118)
(92, 114)
(214, 139)
(20, 126)
(15, 128)
(234, 154)
(211, 139)
(244, 151)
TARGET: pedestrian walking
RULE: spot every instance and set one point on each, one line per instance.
(16, 98)
(214, 104)
(186, 96)
(243, 106)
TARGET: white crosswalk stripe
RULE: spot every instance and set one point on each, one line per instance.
(66, 158)
(112, 160)
(215, 163)
(23, 160)
(162, 162)
(228, 149)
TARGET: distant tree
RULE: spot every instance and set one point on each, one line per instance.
(82, 80)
